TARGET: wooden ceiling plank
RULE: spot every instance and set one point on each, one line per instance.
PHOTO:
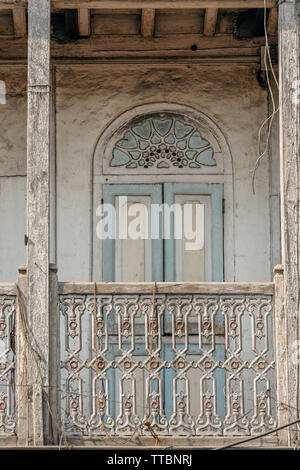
(163, 3)
(147, 22)
(272, 25)
(210, 21)
(129, 4)
(84, 22)
(20, 23)
(137, 45)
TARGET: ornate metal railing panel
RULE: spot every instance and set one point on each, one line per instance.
(7, 363)
(201, 365)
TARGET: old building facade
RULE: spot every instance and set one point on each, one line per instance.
(132, 105)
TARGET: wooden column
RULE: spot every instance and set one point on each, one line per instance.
(280, 337)
(289, 163)
(23, 389)
(53, 435)
(38, 210)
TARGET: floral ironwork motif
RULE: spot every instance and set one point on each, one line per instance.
(162, 143)
(213, 374)
(7, 365)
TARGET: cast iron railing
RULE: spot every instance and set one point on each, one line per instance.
(200, 363)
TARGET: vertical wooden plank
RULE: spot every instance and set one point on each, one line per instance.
(289, 186)
(20, 24)
(210, 21)
(54, 395)
(53, 166)
(38, 212)
(37, 414)
(84, 21)
(22, 391)
(147, 22)
(280, 351)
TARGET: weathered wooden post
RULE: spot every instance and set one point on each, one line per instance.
(289, 161)
(27, 351)
(23, 390)
(54, 400)
(280, 336)
(38, 215)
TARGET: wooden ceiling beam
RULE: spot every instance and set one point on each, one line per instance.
(20, 23)
(272, 25)
(84, 22)
(137, 47)
(147, 22)
(156, 4)
(210, 21)
(184, 4)
(159, 4)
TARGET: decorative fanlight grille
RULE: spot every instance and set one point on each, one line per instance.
(162, 143)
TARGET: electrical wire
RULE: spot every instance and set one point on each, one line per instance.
(269, 119)
(145, 422)
(38, 360)
(279, 428)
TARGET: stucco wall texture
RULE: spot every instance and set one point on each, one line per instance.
(87, 99)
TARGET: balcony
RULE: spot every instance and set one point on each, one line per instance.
(194, 362)
(164, 107)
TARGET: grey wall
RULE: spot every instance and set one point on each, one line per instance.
(88, 98)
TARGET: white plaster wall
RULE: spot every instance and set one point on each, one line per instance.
(89, 97)
(12, 173)
(13, 226)
(13, 118)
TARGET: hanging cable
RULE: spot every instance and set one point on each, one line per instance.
(38, 360)
(269, 119)
(234, 444)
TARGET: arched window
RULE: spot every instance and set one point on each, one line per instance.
(164, 155)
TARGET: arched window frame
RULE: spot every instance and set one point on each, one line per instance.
(222, 173)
